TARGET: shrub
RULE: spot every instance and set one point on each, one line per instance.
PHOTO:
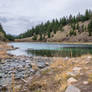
(72, 32)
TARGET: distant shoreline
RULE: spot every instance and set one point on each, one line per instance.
(54, 42)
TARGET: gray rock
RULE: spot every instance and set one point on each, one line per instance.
(41, 65)
(72, 88)
(0, 76)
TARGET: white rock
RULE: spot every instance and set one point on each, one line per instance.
(85, 82)
(72, 89)
(71, 80)
(89, 57)
(66, 58)
(76, 70)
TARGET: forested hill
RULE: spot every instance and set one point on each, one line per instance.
(2, 34)
(72, 28)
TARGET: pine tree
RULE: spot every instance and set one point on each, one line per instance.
(49, 35)
(87, 16)
(90, 28)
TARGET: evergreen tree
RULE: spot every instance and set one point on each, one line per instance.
(48, 34)
(90, 28)
(34, 37)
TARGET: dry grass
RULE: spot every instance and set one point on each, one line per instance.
(90, 78)
(3, 50)
(13, 83)
(54, 78)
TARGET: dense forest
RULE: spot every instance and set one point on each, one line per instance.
(45, 29)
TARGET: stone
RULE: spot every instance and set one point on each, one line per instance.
(2, 61)
(27, 61)
(76, 70)
(89, 57)
(31, 70)
(0, 76)
(41, 65)
(72, 88)
(85, 82)
(71, 80)
(47, 64)
(66, 58)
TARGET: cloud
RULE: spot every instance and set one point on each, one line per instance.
(17, 16)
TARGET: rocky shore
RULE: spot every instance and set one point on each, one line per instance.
(43, 74)
(22, 67)
(61, 75)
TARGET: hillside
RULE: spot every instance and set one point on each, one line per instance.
(64, 36)
(68, 29)
(2, 34)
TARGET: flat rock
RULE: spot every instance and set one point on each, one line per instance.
(72, 88)
(85, 82)
(77, 70)
(41, 64)
(0, 76)
(71, 80)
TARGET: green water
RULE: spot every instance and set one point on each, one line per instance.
(61, 52)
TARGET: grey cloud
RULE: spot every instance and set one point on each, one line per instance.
(17, 16)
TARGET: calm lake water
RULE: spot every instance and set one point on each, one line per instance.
(50, 49)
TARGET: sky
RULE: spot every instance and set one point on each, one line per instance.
(17, 16)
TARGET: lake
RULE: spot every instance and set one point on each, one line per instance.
(50, 49)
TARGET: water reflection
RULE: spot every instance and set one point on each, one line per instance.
(69, 52)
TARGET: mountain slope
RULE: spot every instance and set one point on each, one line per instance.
(72, 28)
(64, 36)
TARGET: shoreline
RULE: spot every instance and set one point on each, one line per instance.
(52, 42)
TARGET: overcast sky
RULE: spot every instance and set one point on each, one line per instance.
(17, 16)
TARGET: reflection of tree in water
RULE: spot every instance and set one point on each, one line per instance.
(74, 52)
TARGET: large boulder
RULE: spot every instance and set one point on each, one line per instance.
(72, 88)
